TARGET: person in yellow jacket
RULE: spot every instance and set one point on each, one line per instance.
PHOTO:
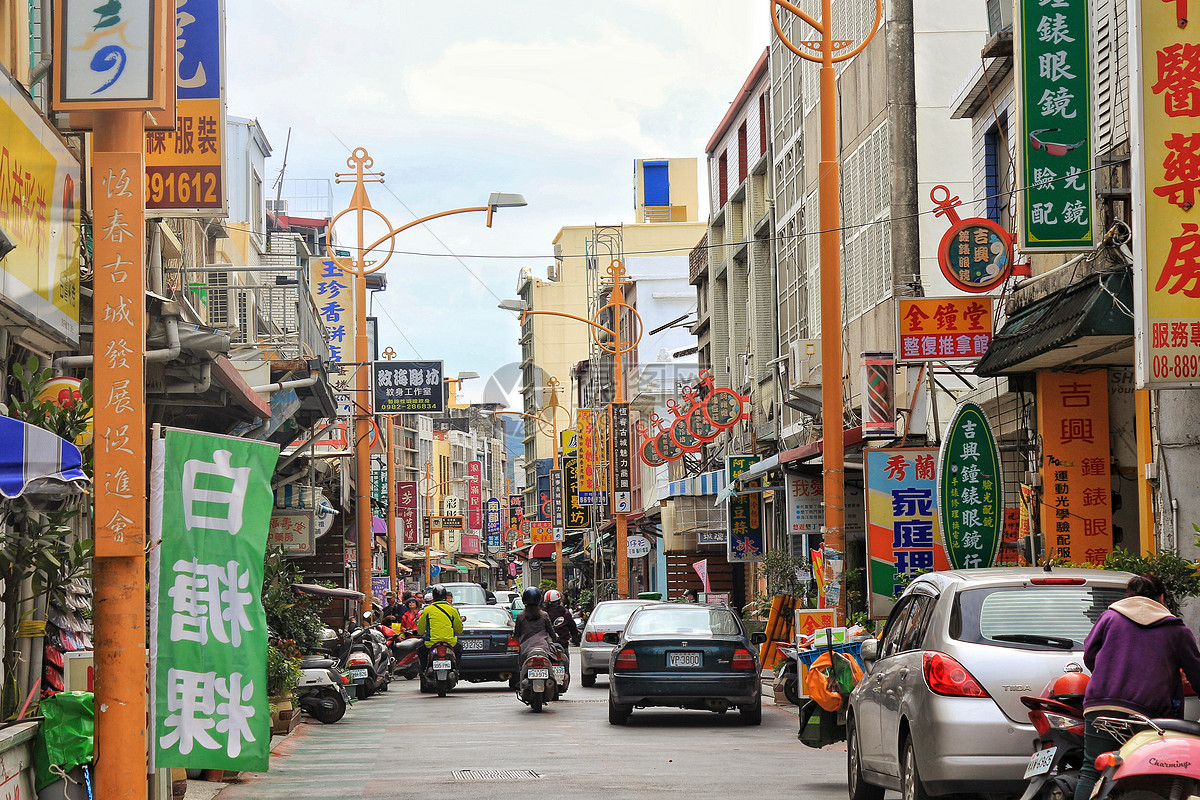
(439, 622)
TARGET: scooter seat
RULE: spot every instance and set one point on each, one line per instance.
(316, 662)
(1179, 726)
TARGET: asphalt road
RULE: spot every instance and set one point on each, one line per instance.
(404, 744)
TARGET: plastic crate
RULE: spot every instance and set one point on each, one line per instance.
(807, 657)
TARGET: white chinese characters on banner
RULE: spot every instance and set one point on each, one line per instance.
(199, 702)
(210, 599)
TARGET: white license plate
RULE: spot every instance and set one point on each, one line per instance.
(1040, 762)
(472, 644)
(539, 674)
(683, 659)
(358, 674)
(441, 665)
(560, 673)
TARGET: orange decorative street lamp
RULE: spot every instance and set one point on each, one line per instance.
(828, 51)
(617, 346)
(359, 265)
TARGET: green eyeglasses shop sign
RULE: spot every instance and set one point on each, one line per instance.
(210, 508)
(970, 490)
(1057, 208)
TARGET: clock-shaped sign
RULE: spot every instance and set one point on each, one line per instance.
(975, 254)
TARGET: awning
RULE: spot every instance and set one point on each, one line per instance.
(35, 461)
(759, 469)
(452, 567)
(327, 591)
(851, 437)
(474, 562)
(541, 550)
(1086, 323)
(707, 483)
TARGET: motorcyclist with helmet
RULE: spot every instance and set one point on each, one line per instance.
(439, 622)
(562, 623)
(533, 629)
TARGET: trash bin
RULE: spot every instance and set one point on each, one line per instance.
(65, 737)
(649, 596)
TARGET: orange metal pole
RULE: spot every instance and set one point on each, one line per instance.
(362, 433)
(391, 503)
(1145, 456)
(621, 546)
(118, 185)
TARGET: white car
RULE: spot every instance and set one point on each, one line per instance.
(504, 597)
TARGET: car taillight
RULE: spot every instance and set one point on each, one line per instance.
(1106, 760)
(593, 636)
(513, 644)
(626, 659)
(742, 659)
(946, 676)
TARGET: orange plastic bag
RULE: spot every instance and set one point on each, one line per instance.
(816, 682)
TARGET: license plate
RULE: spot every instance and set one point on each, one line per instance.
(441, 665)
(472, 644)
(539, 674)
(358, 674)
(683, 659)
(1040, 762)
(560, 673)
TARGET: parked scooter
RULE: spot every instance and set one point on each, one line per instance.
(442, 674)
(542, 678)
(1057, 715)
(1159, 760)
(322, 690)
(405, 649)
(787, 675)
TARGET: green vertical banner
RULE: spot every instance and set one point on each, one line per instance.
(210, 509)
(1054, 63)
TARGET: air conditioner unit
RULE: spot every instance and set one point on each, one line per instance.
(804, 376)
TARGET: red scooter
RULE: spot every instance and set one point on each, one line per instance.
(1057, 715)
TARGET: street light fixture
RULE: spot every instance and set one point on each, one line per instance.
(359, 265)
(512, 305)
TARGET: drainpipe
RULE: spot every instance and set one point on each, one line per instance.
(195, 387)
(902, 119)
(279, 386)
(171, 324)
(42, 68)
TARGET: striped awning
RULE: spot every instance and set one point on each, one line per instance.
(707, 483)
(35, 461)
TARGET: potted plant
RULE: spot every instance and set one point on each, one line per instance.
(283, 673)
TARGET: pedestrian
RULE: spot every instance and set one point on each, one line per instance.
(392, 611)
(411, 614)
(690, 596)
(1135, 653)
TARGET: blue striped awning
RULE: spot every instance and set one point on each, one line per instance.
(35, 461)
(700, 485)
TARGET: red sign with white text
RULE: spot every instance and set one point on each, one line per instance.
(475, 495)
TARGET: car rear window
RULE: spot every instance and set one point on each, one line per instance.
(683, 621)
(1031, 617)
(466, 593)
(613, 613)
(486, 615)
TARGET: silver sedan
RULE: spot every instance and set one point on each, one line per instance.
(609, 616)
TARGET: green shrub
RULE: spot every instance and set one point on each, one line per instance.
(283, 671)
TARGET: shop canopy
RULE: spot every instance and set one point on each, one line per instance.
(34, 461)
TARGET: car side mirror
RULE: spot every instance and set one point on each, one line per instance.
(758, 637)
(612, 638)
(491, 601)
(870, 650)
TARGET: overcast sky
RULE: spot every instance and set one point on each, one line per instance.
(552, 99)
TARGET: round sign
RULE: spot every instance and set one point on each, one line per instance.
(637, 546)
(650, 454)
(700, 427)
(667, 447)
(683, 437)
(535, 563)
(722, 408)
(975, 254)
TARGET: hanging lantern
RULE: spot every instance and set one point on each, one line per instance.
(700, 428)
(680, 435)
(648, 450)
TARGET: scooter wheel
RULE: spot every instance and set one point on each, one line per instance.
(441, 689)
(330, 715)
(791, 691)
(535, 703)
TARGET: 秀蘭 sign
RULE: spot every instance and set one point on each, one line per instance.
(409, 387)
(970, 490)
(212, 508)
(1054, 67)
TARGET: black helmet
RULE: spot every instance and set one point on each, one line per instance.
(439, 592)
(532, 597)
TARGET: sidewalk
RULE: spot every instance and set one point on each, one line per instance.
(207, 790)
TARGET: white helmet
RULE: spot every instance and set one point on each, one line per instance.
(553, 596)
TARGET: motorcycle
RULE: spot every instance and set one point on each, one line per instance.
(406, 650)
(1160, 759)
(441, 675)
(543, 678)
(1057, 715)
(787, 675)
(321, 690)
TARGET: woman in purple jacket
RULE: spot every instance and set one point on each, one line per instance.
(1135, 653)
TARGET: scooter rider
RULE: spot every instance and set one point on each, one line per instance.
(439, 622)
(533, 629)
(565, 630)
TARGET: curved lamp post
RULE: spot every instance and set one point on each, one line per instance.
(359, 266)
(613, 342)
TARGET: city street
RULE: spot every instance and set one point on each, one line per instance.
(405, 744)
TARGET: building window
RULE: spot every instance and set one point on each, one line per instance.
(255, 212)
(723, 179)
(762, 123)
(998, 173)
(742, 165)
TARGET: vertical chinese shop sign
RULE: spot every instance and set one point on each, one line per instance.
(970, 490)
(902, 521)
(475, 495)
(120, 334)
(406, 511)
(212, 505)
(585, 423)
(1054, 63)
(746, 541)
(1076, 507)
(1166, 135)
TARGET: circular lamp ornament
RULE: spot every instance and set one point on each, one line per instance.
(975, 254)
(723, 407)
(680, 435)
(663, 442)
(698, 426)
(648, 450)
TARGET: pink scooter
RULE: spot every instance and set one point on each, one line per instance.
(1160, 759)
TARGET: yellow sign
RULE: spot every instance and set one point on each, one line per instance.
(183, 166)
(570, 442)
(1076, 509)
(541, 533)
(943, 328)
(1165, 190)
(588, 438)
(39, 213)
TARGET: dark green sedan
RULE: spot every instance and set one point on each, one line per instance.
(684, 656)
